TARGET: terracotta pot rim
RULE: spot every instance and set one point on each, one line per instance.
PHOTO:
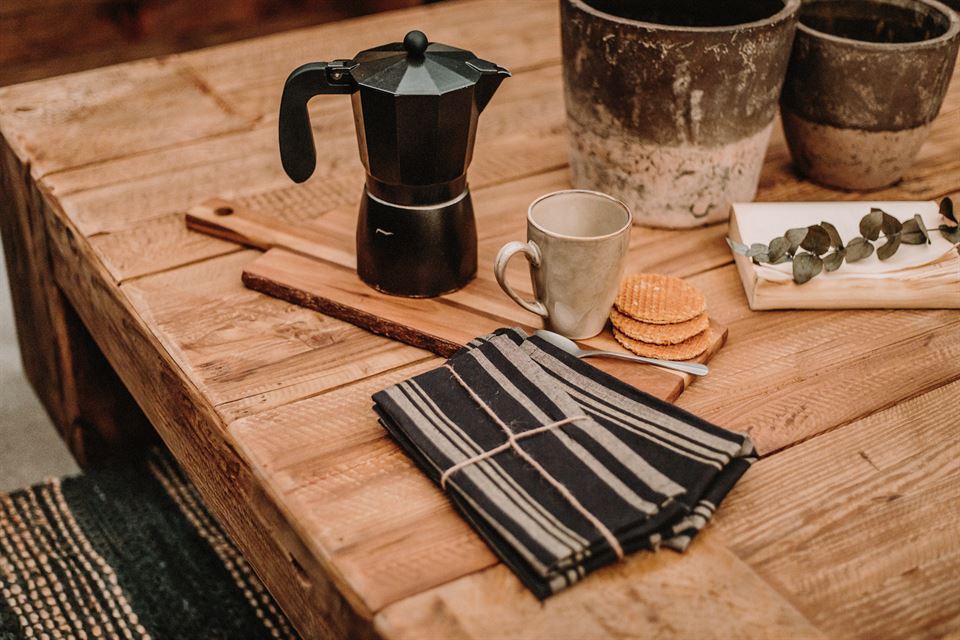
(790, 9)
(866, 45)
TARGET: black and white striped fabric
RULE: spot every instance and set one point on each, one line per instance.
(604, 469)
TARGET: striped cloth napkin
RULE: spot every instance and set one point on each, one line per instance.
(560, 467)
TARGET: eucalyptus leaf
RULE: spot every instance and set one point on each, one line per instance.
(889, 225)
(946, 209)
(805, 267)
(832, 261)
(870, 224)
(823, 248)
(858, 249)
(778, 248)
(817, 240)
(890, 248)
(835, 240)
(795, 237)
(952, 234)
(756, 249)
(738, 247)
(911, 233)
(923, 227)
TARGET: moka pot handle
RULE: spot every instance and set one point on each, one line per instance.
(297, 151)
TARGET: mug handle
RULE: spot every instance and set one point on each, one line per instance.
(532, 252)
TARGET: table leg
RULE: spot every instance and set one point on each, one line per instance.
(90, 407)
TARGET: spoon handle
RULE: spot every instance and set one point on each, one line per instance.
(694, 368)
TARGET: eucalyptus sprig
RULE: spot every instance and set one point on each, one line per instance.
(819, 248)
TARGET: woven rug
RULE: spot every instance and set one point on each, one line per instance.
(128, 552)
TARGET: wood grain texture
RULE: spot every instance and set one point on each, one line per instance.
(859, 527)
(531, 41)
(60, 359)
(246, 352)
(39, 314)
(786, 376)
(195, 434)
(135, 233)
(384, 529)
(313, 266)
(109, 160)
(706, 593)
(44, 120)
(441, 325)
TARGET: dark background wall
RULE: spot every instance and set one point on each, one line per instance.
(41, 38)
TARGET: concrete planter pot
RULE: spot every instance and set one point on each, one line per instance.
(670, 103)
(866, 79)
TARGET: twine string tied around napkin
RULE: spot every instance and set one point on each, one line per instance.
(512, 443)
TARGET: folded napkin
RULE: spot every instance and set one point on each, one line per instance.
(560, 467)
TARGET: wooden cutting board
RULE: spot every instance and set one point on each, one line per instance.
(313, 265)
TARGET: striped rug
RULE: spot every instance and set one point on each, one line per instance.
(128, 552)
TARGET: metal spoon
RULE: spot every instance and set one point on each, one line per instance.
(571, 347)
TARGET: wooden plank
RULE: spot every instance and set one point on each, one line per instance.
(155, 104)
(135, 107)
(247, 162)
(812, 384)
(441, 325)
(155, 245)
(313, 266)
(357, 501)
(531, 41)
(288, 358)
(859, 526)
(64, 366)
(500, 211)
(534, 95)
(140, 203)
(185, 419)
(244, 166)
(706, 593)
(786, 376)
(244, 163)
(38, 312)
(214, 285)
(246, 352)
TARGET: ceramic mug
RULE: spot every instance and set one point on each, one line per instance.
(577, 243)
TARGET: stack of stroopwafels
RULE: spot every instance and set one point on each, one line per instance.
(660, 316)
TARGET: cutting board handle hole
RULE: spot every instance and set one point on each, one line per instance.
(223, 211)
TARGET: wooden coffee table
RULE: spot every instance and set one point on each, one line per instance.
(848, 526)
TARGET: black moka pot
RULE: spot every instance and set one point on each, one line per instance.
(415, 105)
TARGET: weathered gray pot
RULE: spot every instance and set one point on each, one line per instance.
(670, 103)
(866, 80)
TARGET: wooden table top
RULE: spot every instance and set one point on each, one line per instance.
(847, 527)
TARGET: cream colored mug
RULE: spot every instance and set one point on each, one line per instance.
(577, 243)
